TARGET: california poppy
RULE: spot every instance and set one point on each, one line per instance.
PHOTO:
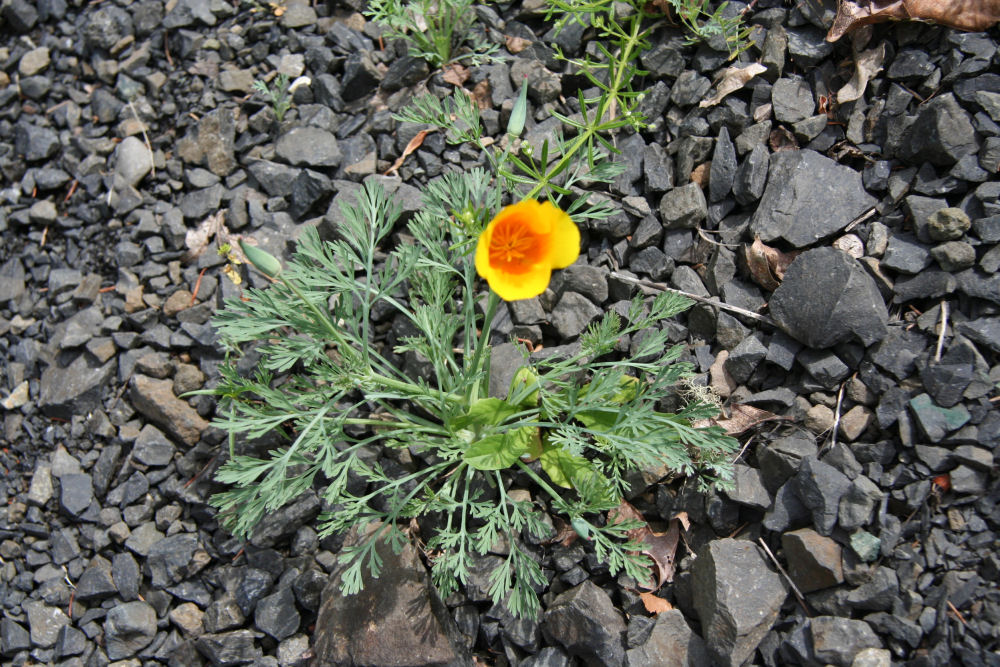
(518, 250)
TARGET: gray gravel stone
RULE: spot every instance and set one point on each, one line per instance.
(737, 597)
(573, 314)
(836, 641)
(132, 161)
(276, 614)
(808, 197)
(585, 622)
(684, 207)
(814, 561)
(670, 643)
(792, 99)
(44, 622)
(941, 134)
(308, 147)
(75, 389)
(827, 298)
(821, 486)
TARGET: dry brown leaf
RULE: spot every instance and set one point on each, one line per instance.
(660, 547)
(866, 65)
(455, 74)
(516, 44)
(700, 174)
(732, 79)
(782, 140)
(743, 417)
(565, 534)
(414, 144)
(482, 95)
(654, 604)
(685, 521)
(974, 15)
(197, 239)
(767, 265)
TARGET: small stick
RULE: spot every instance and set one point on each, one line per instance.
(795, 589)
(858, 220)
(836, 416)
(149, 147)
(957, 613)
(72, 189)
(701, 233)
(712, 302)
(45, 234)
(197, 285)
(166, 48)
(944, 325)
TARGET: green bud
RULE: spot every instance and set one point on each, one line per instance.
(263, 261)
(581, 527)
(519, 113)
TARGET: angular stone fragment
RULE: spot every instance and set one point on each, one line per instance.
(75, 389)
(394, 620)
(941, 134)
(156, 400)
(671, 643)
(827, 298)
(737, 597)
(836, 641)
(814, 561)
(808, 197)
(128, 628)
(820, 486)
(585, 622)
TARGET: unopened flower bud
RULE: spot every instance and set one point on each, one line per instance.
(261, 260)
(519, 113)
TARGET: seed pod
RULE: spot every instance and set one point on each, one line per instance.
(261, 260)
(519, 113)
(581, 527)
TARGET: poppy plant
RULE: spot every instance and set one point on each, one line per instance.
(518, 250)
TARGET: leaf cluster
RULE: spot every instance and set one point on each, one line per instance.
(435, 30)
(279, 95)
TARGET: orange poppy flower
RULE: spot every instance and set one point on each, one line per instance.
(522, 244)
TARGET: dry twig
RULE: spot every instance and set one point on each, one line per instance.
(944, 325)
(795, 589)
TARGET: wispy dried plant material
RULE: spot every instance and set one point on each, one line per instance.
(197, 239)
(654, 604)
(866, 65)
(482, 95)
(414, 144)
(516, 44)
(732, 79)
(974, 15)
(742, 418)
(660, 547)
(767, 265)
(455, 74)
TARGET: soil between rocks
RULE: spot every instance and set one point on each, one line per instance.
(125, 125)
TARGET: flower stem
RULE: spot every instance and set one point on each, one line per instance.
(484, 337)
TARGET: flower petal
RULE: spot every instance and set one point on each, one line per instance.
(516, 286)
(565, 237)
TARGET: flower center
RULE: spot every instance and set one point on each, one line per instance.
(512, 243)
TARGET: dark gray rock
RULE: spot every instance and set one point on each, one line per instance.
(174, 559)
(897, 627)
(152, 447)
(44, 622)
(308, 147)
(573, 314)
(925, 285)
(807, 45)
(284, 522)
(743, 358)
(827, 298)
(276, 614)
(96, 582)
(935, 421)
(20, 15)
(75, 389)
(684, 207)
(225, 614)
(878, 593)
(405, 71)
(814, 561)
(11, 280)
(947, 379)
(985, 331)
(858, 503)
(275, 178)
(228, 649)
(13, 637)
(979, 285)
(792, 99)
(824, 366)
(252, 587)
(836, 641)
(70, 642)
(395, 619)
(820, 487)
(723, 169)
(737, 598)
(584, 621)
(748, 489)
(689, 89)
(808, 197)
(905, 254)
(126, 576)
(941, 134)
(77, 493)
(129, 628)
(670, 643)
(35, 143)
(751, 177)
(658, 169)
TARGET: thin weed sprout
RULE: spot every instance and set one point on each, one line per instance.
(390, 431)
